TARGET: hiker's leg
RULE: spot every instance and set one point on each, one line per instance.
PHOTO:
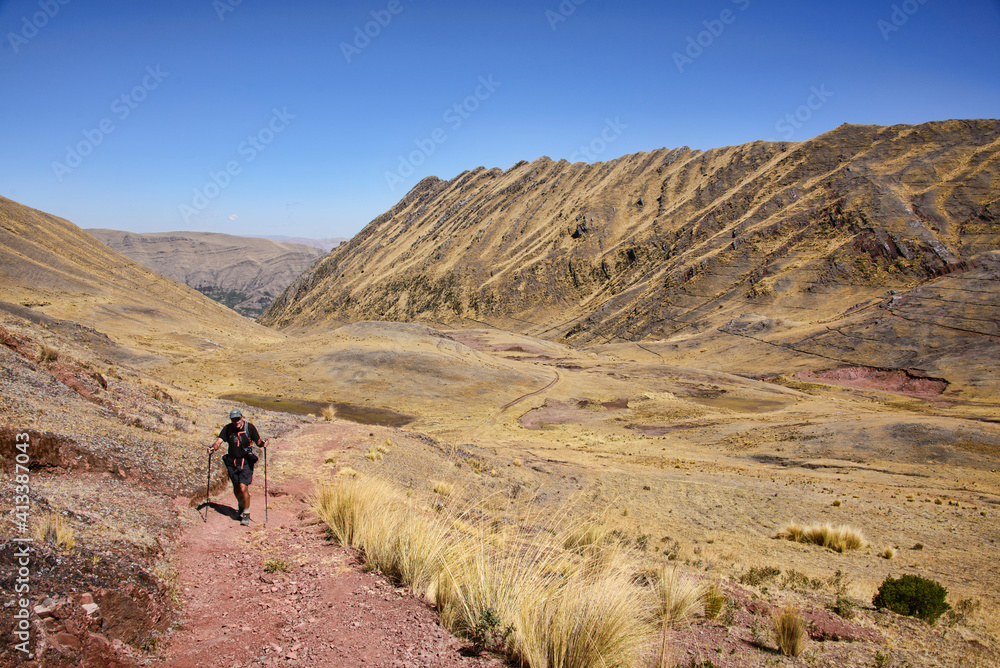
(246, 496)
(238, 493)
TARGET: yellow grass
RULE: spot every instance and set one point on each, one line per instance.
(678, 599)
(546, 606)
(443, 488)
(790, 632)
(328, 412)
(55, 530)
(838, 539)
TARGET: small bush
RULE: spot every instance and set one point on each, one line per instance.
(56, 531)
(790, 632)
(887, 553)
(328, 412)
(758, 575)
(490, 633)
(518, 463)
(443, 488)
(47, 354)
(836, 503)
(913, 596)
(277, 565)
(373, 455)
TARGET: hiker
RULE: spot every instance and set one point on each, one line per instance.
(240, 460)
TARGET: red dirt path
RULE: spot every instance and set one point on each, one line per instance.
(326, 611)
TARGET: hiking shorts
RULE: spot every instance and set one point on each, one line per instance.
(242, 475)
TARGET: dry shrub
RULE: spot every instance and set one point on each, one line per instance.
(56, 531)
(839, 539)
(790, 632)
(328, 412)
(678, 599)
(443, 488)
(373, 455)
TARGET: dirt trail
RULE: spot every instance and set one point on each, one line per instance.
(325, 611)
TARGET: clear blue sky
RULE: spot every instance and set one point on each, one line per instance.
(161, 95)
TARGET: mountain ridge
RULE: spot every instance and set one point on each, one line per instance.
(672, 242)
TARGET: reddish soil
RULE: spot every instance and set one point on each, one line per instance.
(325, 611)
(893, 380)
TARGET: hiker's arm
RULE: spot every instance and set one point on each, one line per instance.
(215, 446)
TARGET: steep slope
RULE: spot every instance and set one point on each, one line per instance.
(677, 243)
(51, 265)
(244, 273)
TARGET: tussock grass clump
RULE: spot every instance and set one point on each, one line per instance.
(790, 632)
(584, 536)
(522, 594)
(678, 599)
(443, 488)
(328, 412)
(839, 539)
(56, 531)
(887, 553)
(47, 354)
(373, 455)
(715, 601)
(368, 515)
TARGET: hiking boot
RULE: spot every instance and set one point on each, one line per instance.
(245, 518)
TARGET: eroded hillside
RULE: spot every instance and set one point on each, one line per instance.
(831, 234)
(244, 273)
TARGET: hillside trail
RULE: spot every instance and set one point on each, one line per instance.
(326, 610)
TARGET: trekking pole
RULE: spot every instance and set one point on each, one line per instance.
(265, 482)
(208, 484)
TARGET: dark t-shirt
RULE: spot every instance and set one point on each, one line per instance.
(239, 437)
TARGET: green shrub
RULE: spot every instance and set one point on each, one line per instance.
(913, 596)
(758, 575)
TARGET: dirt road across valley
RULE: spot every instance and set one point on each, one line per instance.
(324, 611)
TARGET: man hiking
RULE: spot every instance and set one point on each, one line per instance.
(240, 460)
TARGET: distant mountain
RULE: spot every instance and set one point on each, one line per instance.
(326, 244)
(244, 273)
(793, 247)
(52, 266)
